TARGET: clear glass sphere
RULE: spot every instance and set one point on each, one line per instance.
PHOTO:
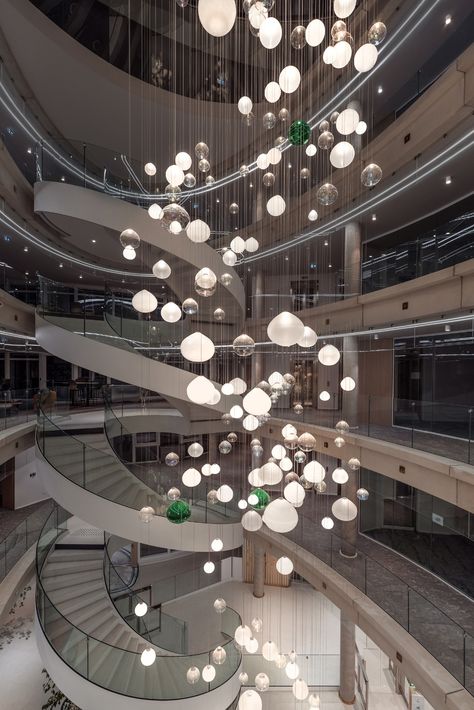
(190, 307)
(175, 218)
(334, 116)
(248, 119)
(205, 282)
(320, 487)
(210, 180)
(284, 115)
(204, 165)
(339, 31)
(305, 173)
(268, 179)
(226, 279)
(323, 126)
(219, 314)
(173, 493)
(129, 238)
(269, 120)
(189, 180)
(234, 208)
(244, 170)
(243, 345)
(327, 194)
(325, 140)
(225, 447)
(298, 408)
(371, 175)
(172, 192)
(377, 33)
(201, 150)
(362, 493)
(298, 37)
(172, 459)
(212, 496)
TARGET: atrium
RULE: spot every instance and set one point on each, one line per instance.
(236, 354)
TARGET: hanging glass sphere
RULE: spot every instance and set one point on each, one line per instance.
(315, 32)
(226, 279)
(171, 459)
(258, 499)
(348, 384)
(270, 651)
(234, 208)
(193, 674)
(314, 701)
(256, 624)
(298, 37)
(161, 269)
(342, 427)
(284, 115)
(340, 475)
(150, 169)
(272, 92)
(148, 656)
(189, 306)
(292, 477)
(289, 79)
(173, 494)
(339, 30)
(262, 682)
(243, 346)
(209, 567)
(270, 33)
(208, 673)
(304, 173)
(146, 514)
(210, 180)
(339, 442)
(251, 521)
(311, 150)
(129, 238)
(220, 605)
(229, 257)
(178, 512)
(314, 472)
(225, 447)
(245, 105)
(201, 150)
(248, 119)
(377, 33)
(204, 165)
(172, 193)
(354, 464)
(344, 509)
(320, 487)
(205, 282)
(334, 116)
(175, 218)
(129, 253)
(243, 679)
(268, 179)
(327, 194)
(306, 442)
(219, 314)
(212, 497)
(323, 126)
(362, 493)
(189, 180)
(299, 132)
(300, 457)
(366, 57)
(325, 140)
(300, 689)
(155, 211)
(298, 408)
(269, 120)
(371, 175)
(244, 170)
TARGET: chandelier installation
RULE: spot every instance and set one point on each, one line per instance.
(300, 150)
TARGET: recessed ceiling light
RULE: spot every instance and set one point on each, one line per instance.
(93, 241)
(80, 276)
(448, 180)
(374, 217)
(380, 89)
(63, 179)
(289, 165)
(326, 243)
(329, 266)
(61, 266)
(25, 248)
(448, 19)
(447, 328)
(29, 151)
(27, 273)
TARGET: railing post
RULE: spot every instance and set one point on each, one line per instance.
(83, 466)
(368, 415)
(87, 658)
(470, 437)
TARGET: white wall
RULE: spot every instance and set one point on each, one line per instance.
(28, 484)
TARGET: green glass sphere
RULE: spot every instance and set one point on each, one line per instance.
(178, 512)
(263, 498)
(299, 132)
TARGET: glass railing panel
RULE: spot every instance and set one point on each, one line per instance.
(388, 591)
(317, 669)
(349, 562)
(469, 663)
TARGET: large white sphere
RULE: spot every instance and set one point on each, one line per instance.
(229, 258)
(344, 8)
(200, 390)
(366, 57)
(262, 161)
(251, 521)
(272, 92)
(191, 477)
(342, 154)
(208, 673)
(257, 14)
(256, 477)
(205, 281)
(294, 493)
(238, 245)
(251, 244)
(271, 473)
(198, 231)
(197, 347)
(341, 55)
(270, 651)
(236, 412)
(270, 33)
(347, 121)
(280, 516)
(289, 79)
(245, 105)
(285, 329)
(155, 211)
(257, 402)
(150, 169)
(274, 156)
(161, 269)
(314, 472)
(340, 475)
(195, 450)
(286, 464)
(344, 509)
(250, 423)
(144, 301)
(225, 493)
(171, 312)
(309, 338)
(276, 205)
(315, 32)
(262, 682)
(239, 385)
(227, 388)
(278, 452)
(329, 355)
(174, 175)
(348, 384)
(148, 656)
(300, 689)
(327, 523)
(284, 565)
(324, 396)
(129, 253)
(288, 430)
(217, 16)
(276, 378)
(250, 700)
(183, 161)
(328, 54)
(361, 128)
(141, 609)
(243, 633)
(292, 670)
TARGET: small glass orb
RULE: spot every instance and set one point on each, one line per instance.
(306, 442)
(243, 345)
(312, 215)
(129, 238)
(342, 427)
(299, 132)
(175, 218)
(244, 170)
(262, 682)
(362, 493)
(377, 33)
(327, 194)
(201, 151)
(193, 674)
(371, 175)
(242, 504)
(171, 459)
(210, 180)
(243, 678)
(323, 126)
(298, 37)
(225, 447)
(219, 314)
(334, 116)
(339, 30)
(305, 173)
(226, 279)
(269, 120)
(178, 512)
(229, 257)
(325, 140)
(248, 119)
(320, 487)
(284, 115)
(150, 169)
(307, 485)
(339, 442)
(212, 496)
(209, 567)
(204, 165)
(226, 418)
(354, 464)
(208, 673)
(281, 661)
(268, 179)
(219, 655)
(205, 282)
(311, 150)
(172, 193)
(256, 624)
(291, 477)
(234, 208)
(327, 523)
(232, 437)
(146, 514)
(298, 408)
(189, 306)
(148, 656)
(173, 493)
(129, 253)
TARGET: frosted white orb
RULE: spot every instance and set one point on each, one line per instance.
(148, 656)
(309, 338)
(174, 175)
(285, 329)
(300, 689)
(342, 154)
(217, 544)
(315, 32)
(205, 281)
(200, 390)
(161, 269)
(294, 493)
(314, 472)
(270, 33)
(250, 699)
(361, 128)
(195, 450)
(197, 347)
(146, 514)
(236, 412)
(251, 521)
(271, 473)
(276, 205)
(272, 92)
(191, 477)
(348, 384)
(141, 609)
(215, 469)
(262, 161)
(129, 253)
(150, 169)
(324, 396)
(171, 312)
(311, 150)
(342, 54)
(281, 661)
(288, 430)
(292, 670)
(250, 422)
(251, 244)
(217, 16)
(144, 301)
(270, 651)
(314, 701)
(278, 452)
(209, 567)
(256, 477)
(306, 441)
(280, 516)
(229, 258)
(155, 211)
(242, 504)
(262, 682)
(329, 355)
(206, 469)
(340, 475)
(344, 509)
(198, 231)
(366, 57)
(328, 54)
(344, 8)
(239, 385)
(238, 245)
(208, 673)
(245, 105)
(225, 493)
(274, 156)
(183, 160)
(289, 79)
(257, 402)
(285, 464)
(227, 388)
(347, 121)
(257, 14)
(327, 523)
(276, 378)
(242, 634)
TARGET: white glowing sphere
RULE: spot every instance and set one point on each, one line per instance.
(270, 33)
(324, 396)
(315, 33)
(208, 673)
(195, 450)
(129, 253)
(161, 269)
(285, 464)
(141, 609)
(198, 231)
(242, 504)
(148, 656)
(256, 477)
(348, 384)
(342, 154)
(227, 388)
(171, 312)
(327, 523)
(344, 509)
(366, 57)
(361, 128)
(174, 175)
(257, 14)
(217, 16)
(285, 329)
(155, 211)
(144, 301)
(238, 245)
(243, 633)
(340, 475)
(236, 412)
(271, 473)
(311, 150)
(328, 54)
(344, 8)
(274, 156)
(262, 161)
(150, 169)
(276, 378)
(217, 545)
(251, 244)
(309, 338)
(225, 493)
(250, 423)
(270, 651)
(272, 92)
(278, 452)
(209, 567)
(314, 472)
(341, 55)
(215, 397)
(292, 670)
(300, 689)
(245, 105)
(314, 701)
(206, 469)
(215, 469)
(239, 385)
(229, 258)
(257, 402)
(183, 160)
(191, 477)
(288, 430)
(200, 390)
(276, 206)
(347, 121)
(294, 493)
(289, 79)
(280, 516)
(251, 646)
(250, 699)
(329, 355)
(197, 347)
(251, 520)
